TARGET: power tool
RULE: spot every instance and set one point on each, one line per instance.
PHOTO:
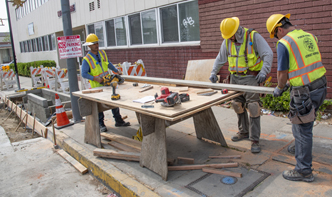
(184, 97)
(170, 101)
(164, 93)
(224, 91)
(114, 96)
(108, 79)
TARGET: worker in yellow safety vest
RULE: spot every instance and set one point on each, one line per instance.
(94, 67)
(249, 60)
(300, 62)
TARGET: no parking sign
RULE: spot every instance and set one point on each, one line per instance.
(69, 46)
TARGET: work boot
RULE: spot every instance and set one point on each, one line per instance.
(294, 175)
(255, 148)
(102, 128)
(291, 149)
(239, 136)
(122, 124)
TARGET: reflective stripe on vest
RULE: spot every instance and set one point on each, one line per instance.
(305, 64)
(237, 62)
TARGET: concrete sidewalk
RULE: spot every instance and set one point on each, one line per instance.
(261, 172)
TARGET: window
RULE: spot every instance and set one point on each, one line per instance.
(189, 25)
(120, 31)
(149, 27)
(40, 44)
(21, 47)
(45, 43)
(110, 33)
(169, 24)
(188, 22)
(26, 49)
(135, 29)
(99, 29)
(91, 29)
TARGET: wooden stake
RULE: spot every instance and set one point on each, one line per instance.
(20, 122)
(186, 160)
(226, 157)
(34, 122)
(54, 138)
(26, 121)
(129, 156)
(73, 162)
(9, 114)
(222, 172)
(21, 113)
(45, 132)
(198, 167)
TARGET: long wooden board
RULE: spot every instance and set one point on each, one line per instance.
(222, 172)
(122, 147)
(129, 156)
(123, 140)
(218, 86)
(73, 162)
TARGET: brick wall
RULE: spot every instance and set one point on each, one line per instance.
(314, 16)
(164, 62)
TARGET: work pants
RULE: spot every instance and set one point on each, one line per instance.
(252, 125)
(116, 115)
(303, 135)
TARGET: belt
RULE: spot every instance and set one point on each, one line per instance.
(249, 72)
(318, 83)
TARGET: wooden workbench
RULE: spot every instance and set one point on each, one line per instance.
(153, 121)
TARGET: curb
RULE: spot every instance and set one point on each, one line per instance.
(120, 182)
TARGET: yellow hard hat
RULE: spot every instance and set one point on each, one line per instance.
(91, 39)
(273, 22)
(229, 26)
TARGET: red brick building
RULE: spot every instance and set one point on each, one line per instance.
(314, 16)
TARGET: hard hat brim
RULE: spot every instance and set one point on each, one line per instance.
(237, 22)
(276, 25)
(88, 44)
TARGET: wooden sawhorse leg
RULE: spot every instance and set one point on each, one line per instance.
(153, 152)
(206, 126)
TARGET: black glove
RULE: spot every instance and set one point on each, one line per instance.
(260, 78)
(213, 78)
(278, 92)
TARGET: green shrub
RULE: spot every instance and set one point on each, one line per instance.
(24, 68)
(280, 103)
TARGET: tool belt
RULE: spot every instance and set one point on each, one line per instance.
(249, 72)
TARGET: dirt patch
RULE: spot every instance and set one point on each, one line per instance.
(10, 124)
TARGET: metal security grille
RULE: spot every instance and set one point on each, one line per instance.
(92, 6)
(98, 3)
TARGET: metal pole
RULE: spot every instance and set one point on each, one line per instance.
(71, 64)
(13, 48)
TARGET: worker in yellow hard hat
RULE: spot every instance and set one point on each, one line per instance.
(94, 67)
(249, 60)
(300, 63)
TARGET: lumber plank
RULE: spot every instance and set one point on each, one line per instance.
(122, 147)
(222, 172)
(199, 70)
(218, 86)
(122, 155)
(123, 140)
(88, 91)
(226, 157)
(205, 91)
(73, 162)
(145, 89)
(186, 160)
(201, 166)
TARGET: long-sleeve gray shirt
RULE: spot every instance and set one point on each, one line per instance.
(261, 48)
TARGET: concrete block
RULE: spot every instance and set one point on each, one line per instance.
(38, 100)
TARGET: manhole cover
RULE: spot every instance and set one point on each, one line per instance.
(228, 180)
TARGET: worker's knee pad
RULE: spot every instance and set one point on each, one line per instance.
(238, 107)
(254, 109)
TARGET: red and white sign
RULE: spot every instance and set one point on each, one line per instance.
(69, 46)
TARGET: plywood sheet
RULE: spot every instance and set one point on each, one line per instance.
(129, 93)
(199, 70)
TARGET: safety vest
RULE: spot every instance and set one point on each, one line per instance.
(305, 61)
(95, 68)
(237, 62)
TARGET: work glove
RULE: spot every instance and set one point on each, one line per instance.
(260, 78)
(213, 78)
(278, 92)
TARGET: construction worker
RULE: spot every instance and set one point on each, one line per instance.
(250, 59)
(95, 65)
(299, 61)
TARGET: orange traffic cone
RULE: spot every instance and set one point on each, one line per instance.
(61, 116)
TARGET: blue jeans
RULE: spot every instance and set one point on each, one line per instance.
(116, 116)
(303, 135)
